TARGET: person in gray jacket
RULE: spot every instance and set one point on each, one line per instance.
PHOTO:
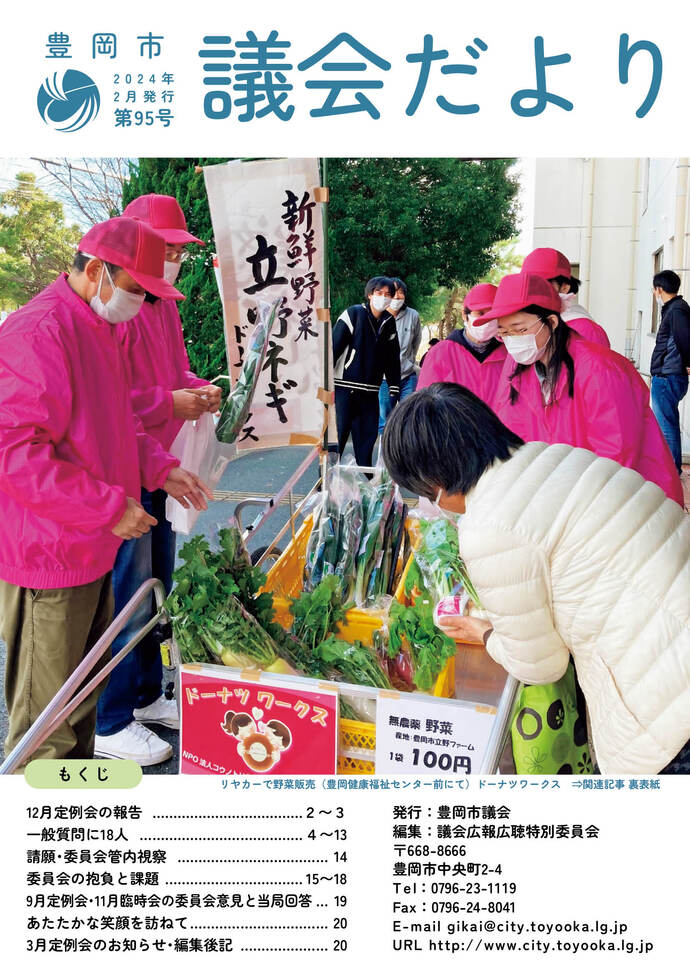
(409, 330)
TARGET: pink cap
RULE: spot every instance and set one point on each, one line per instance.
(516, 292)
(135, 247)
(165, 215)
(481, 296)
(546, 262)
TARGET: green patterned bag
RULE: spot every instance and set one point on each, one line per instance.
(549, 732)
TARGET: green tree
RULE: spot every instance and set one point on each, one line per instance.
(201, 313)
(507, 260)
(35, 244)
(433, 222)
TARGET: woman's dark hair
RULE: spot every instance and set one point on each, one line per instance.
(444, 437)
(560, 356)
(378, 282)
(561, 280)
(399, 283)
(574, 285)
(81, 260)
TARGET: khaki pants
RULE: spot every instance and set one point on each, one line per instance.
(48, 633)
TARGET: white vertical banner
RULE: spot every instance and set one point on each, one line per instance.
(268, 229)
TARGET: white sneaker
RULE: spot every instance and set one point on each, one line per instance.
(135, 742)
(161, 712)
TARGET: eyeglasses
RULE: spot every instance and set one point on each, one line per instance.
(173, 253)
(502, 333)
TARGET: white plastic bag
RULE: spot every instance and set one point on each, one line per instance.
(200, 452)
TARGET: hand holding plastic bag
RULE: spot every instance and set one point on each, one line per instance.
(199, 452)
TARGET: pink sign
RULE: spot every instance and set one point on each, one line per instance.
(231, 726)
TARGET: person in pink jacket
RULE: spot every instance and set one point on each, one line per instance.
(558, 388)
(72, 459)
(471, 356)
(554, 266)
(165, 393)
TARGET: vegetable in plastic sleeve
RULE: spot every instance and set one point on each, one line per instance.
(237, 406)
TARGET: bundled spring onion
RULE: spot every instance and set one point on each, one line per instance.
(237, 407)
(369, 579)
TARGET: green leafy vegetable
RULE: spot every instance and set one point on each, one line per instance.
(439, 563)
(317, 614)
(412, 630)
(353, 663)
(215, 613)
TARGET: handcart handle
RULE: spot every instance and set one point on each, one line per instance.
(501, 726)
(269, 504)
(62, 705)
(263, 502)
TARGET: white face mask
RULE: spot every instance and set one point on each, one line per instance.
(379, 302)
(120, 307)
(660, 302)
(567, 299)
(444, 512)
(171, 270)
(483, 332)
(524, 349)
(396, 304)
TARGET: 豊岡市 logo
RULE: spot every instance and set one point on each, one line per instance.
(67, 104)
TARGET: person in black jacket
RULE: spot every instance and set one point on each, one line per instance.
(671, 359)
(365, 348)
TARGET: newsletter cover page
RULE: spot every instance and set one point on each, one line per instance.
(344, 487)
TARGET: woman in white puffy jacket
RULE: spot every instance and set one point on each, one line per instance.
(570, 553)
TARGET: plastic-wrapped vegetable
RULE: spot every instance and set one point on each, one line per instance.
(352, 662)
(439, 563)
(237, 407)
(334, 540)
(412, 633)
(310, 568)
(392, 540)
(349, 493)
(370, 556)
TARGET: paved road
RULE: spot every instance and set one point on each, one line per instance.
(258, 474)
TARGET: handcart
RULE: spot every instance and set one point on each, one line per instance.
(471, 676)
(71, 694)
(477, 680)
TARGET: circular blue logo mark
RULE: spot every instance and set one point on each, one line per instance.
(68, 103)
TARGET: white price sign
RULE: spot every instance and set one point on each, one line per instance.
(432, 736)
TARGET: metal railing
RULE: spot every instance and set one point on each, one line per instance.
(63, 704)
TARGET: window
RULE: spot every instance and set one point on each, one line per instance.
(658, 266)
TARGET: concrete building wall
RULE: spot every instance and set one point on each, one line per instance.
(584, 208)
(618, 219)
